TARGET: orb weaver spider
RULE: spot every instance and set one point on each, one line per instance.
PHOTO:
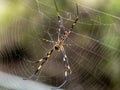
(58, 46)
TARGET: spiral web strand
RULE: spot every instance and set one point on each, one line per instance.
(92, 47)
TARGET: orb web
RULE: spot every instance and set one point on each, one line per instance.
(92, 47)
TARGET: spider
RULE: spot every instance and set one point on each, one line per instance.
(58, 46)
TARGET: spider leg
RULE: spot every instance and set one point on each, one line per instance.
(60, 21)
(50, 36)
(58, 15)
(65, 60)
(65, 80)
(59, 33)
(43, 60)
(60, 24)
(50, 41)
(38, 69)
(67, 68)
(38, 61)
(76, 19)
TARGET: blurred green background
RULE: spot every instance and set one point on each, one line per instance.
(95, 60)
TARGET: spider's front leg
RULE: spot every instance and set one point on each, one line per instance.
(76, 19)
(65, 60)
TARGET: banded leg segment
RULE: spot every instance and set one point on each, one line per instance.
(60, 22)
(65, 60)
(77, 17)
(43, 60)
(58, 15)
(67, 68)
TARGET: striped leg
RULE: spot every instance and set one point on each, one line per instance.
(67, 68)
(43, 60)
(60, 21)
(77, 17)
(74, 23)
(60, 24)
(65, 60)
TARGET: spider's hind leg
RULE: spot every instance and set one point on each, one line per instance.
(35, 72)
(65, 79)
(43, 60)
(38, 69)
(67, 68)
